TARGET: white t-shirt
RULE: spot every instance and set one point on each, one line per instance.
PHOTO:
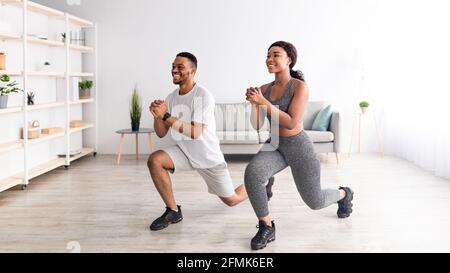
(196, 106)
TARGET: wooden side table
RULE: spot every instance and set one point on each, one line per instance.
(130, 132)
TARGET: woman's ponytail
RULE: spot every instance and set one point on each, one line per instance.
(297, 74)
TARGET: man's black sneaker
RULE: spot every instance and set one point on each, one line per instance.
(345, 205)
(264, 236)
(169, 217)
(269, 188)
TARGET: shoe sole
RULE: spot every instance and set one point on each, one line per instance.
(163, 227)
(263, 246)
(342, 216)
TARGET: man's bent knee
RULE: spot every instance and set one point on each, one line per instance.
(154, 160)
(230, 201)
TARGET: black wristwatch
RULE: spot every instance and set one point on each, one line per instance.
(166, 116)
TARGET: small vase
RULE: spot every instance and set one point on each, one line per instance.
(135, 126)
(364, 110)
(3, 102)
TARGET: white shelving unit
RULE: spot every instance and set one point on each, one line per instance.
(81, 56)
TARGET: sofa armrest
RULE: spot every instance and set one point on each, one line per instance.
(335, 127)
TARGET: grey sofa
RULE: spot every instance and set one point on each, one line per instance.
(237, 136)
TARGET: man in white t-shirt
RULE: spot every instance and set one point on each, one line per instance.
(188, 114)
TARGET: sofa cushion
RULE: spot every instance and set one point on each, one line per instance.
(313, 109)
(320, 137)
(322, 120)
(238, 137)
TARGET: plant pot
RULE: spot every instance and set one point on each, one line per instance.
(84, 94)
(134, 126)
(3, 102)
(364, 109)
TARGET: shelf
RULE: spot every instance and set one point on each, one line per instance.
(80, 22)
(20, 41)
(10, 146)
(9, 36)
(46, 167)
(81, 74)
(84, 152)
(11, 110)
(10, 182)
(35, 73)
(79, 129)
(86, 49)
(45, 73)
(45, 106)
(82, 101)
(11, 72)
(34, 40)
(44, 138)
(35, 7)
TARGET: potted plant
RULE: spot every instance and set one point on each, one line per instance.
(84, 91)
(135, 110)
(6, 88)
(364, 105)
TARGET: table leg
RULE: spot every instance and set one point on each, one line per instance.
(120, 148)
(359, 133)
(137, 146)
(351, 138)
(150, 142)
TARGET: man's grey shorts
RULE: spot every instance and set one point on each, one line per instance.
(217, 178)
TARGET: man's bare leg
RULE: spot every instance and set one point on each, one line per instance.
(158, 164)
(239, 196)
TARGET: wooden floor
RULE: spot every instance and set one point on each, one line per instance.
(108, 208)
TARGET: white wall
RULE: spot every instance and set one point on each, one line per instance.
(138, 40)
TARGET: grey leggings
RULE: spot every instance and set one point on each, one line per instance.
(298, 153)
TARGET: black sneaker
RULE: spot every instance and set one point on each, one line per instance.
(264, 236)
(345, 205)
(169, 217)
(269, 188)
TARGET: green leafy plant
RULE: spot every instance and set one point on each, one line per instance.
(364, 104)
(83, 85)
(9, 87)
(135, 107)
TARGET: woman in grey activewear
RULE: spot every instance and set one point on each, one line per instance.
(284, 101)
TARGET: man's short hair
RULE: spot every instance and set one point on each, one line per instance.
(190, 56)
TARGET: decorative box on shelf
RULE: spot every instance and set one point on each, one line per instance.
(53, 130)
(34, 130)
(77, 123)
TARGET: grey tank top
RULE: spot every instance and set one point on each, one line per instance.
(285, 100)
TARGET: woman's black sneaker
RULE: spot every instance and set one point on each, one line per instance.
(269, 188)
(345, 205)
(169, 217)
(264, 236)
